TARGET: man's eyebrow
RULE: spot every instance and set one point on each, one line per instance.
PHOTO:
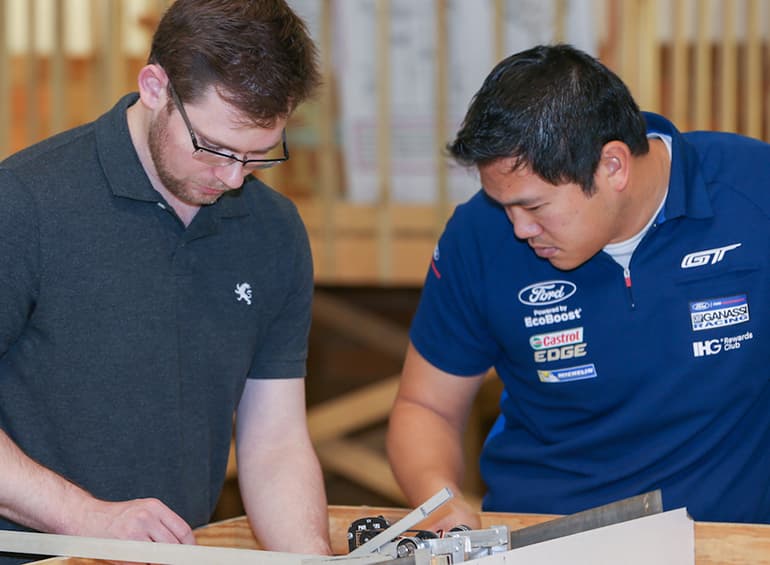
(522, 202)
(224, 147)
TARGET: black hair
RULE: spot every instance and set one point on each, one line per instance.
(552, 108)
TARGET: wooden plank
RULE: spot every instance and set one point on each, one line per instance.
(360, 325)
(703, 74)
(648, 73)
(32, 71)
(58, 71)
(384, 157)
(5, 86)
(680, 63)
(363, 465)
(353, 411)
(329, 175)
(728, 82)
(715, 543)
(628, 12)
(441, 134)
(752, 98)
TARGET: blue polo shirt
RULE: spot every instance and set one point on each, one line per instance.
(611, 391)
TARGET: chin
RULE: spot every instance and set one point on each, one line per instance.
(565, 264)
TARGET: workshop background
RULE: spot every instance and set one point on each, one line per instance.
(367, 169)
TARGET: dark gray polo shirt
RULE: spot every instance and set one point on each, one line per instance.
(126, 338)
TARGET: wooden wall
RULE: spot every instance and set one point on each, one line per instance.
(704, 63)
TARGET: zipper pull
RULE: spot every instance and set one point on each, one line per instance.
(627, 276)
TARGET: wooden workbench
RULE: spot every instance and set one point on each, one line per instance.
(715, 543)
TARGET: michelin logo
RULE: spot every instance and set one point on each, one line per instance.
(569, 374)
(715, 346)
(719, 312)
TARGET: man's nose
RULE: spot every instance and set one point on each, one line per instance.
(231, 175)
(524, 225)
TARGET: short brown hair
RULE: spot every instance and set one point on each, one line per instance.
(257, 54)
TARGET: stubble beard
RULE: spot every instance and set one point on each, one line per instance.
(158, 140)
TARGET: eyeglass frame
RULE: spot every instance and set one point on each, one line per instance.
(248, 164)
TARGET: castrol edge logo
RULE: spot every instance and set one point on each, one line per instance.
(558, 346)
(555, 339)
(548, 292)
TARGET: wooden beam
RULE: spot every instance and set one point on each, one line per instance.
(353, 411)
(5, 87)
(384, 157)
(360, 325)
(728, 63)
(361, 464)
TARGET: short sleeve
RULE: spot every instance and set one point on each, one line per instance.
(450, 326)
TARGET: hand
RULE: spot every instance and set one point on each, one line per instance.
(146, 519)
(455, 512)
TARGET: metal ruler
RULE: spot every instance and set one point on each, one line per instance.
(598, 517)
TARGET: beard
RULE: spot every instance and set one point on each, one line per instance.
(158, 142)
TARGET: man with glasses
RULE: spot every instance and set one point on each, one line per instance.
(150, 287)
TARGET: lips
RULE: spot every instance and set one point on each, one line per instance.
(544, 251)
(212, 190)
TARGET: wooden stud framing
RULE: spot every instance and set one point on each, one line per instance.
(441, 114)
(703, 60)
(648, 75)
(325, 261)
(58, 71)
(728, 80)
(384, 159)
(680, 65)
(752, 99)
(5, 86)
(31, 75)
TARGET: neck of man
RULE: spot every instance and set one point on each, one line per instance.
(649, 187)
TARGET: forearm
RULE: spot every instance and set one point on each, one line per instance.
(283, 492)
(425, 451)
(28, 491)
(36, 497)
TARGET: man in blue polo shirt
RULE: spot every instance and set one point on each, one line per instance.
(614, 272)
(150, 287)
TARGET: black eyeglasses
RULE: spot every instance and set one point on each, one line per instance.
(215, 158)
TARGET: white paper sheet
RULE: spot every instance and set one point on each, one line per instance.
(667, 538)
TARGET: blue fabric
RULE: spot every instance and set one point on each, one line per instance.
(613, 391)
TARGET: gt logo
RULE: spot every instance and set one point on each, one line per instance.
(706, 257)
(708, 347)
(558, 353)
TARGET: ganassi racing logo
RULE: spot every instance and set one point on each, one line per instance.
(719, 312)
(548, 292)
(707, 256)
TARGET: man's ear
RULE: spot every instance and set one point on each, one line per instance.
(152, 81)
(614, 165)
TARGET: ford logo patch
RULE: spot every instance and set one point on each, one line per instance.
(548, 292)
